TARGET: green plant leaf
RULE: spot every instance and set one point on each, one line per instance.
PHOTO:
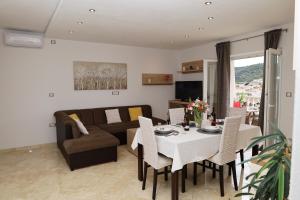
(271, 147)
(281, 182)
(243, 193)
(257, 140)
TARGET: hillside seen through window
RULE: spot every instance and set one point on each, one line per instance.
(248, 82)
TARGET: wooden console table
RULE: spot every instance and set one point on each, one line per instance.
(177, 104)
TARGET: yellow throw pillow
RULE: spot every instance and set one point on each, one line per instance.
(74, 116)
(135, 113)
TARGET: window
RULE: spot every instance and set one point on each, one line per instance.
(248, 81)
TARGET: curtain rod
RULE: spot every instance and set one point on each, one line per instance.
(248, 38)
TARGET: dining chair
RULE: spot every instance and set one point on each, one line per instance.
(151, 156)
(242, 112)
(238, 112)
(226, 154)
(176, 115)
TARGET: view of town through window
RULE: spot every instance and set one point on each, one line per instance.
(248, 82)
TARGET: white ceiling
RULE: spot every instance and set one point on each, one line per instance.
(149, 23)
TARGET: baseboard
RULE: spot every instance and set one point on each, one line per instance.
(27, 148)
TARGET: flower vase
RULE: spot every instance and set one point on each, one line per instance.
(198, 117)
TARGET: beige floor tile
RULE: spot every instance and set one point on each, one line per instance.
(44, 175)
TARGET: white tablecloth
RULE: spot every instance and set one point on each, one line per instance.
(191, 146)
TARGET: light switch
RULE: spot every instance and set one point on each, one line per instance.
(115, 93)
(288, 94)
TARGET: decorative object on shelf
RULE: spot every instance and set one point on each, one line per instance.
(99, 75)
(157, 79)
(198, 107)
(192, 67)
(272, 181)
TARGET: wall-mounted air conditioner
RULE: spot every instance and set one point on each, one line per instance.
(23, 39)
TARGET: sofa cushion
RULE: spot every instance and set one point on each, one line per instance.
(85, 115)
(96, 140)
(99, 116)
(118, 127)
(147, 111)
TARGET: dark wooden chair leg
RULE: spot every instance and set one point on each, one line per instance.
(145, 175)
(154, 184)
(140, 162)
(203, 167)
(229, 170)
(214, 171)
(185, 171)
(183, 180)
(166, 173)
(234, 175)
(221, 177)
(242, 157)
(195, 174)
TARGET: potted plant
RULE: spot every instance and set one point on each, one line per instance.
(272, 181)
(197, 107)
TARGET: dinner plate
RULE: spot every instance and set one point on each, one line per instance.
(210, 129)
(163, 131)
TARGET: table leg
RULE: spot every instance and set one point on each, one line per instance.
(255, 150)
(174, 190)
(140, 162)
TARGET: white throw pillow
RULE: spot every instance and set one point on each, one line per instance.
(113, 116)
(81, 127)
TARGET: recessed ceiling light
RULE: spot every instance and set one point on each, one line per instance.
(208, 3)
(92, 10)
(71, 31)
(211, 18)
(80, 22)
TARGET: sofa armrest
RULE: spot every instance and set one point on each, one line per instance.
(72, 124)
(66, 128)
(156, 120)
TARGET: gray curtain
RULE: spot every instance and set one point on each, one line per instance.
(223, 79)
(271, 41)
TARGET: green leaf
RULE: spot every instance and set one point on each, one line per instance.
(271, 147)
(281, 182)
(243, 193)
(259, 139)
(287, 162)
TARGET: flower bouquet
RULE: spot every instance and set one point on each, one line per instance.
(198, 107)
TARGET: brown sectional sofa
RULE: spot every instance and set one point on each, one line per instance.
(101, 144)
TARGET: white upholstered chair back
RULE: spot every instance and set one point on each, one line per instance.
(176, 115)
(228, 143)
(149, 141)
(242, 112)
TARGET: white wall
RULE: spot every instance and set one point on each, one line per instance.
(208, 51)
(295, 181)
(28, 75)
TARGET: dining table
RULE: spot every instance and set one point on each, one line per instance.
(188, 146)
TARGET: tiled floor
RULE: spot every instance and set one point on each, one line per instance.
(44, 175)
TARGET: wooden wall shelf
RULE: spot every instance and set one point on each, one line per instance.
(192, 67)
(157, 79)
